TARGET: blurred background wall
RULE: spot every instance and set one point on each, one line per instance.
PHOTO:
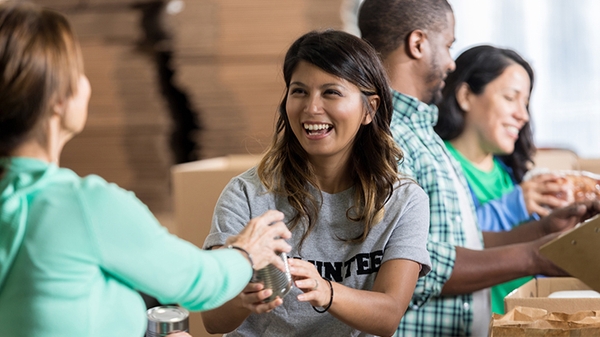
(176, 81)
(561, 41)
(180, 80)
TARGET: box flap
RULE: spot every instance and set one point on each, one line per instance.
(534, 294)
(578, 252)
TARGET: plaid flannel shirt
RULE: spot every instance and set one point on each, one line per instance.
(429, 313)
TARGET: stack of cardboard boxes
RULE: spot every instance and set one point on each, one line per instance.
(229, 59)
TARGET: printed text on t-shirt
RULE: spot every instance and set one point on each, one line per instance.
(359, 264)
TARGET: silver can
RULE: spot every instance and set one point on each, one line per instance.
(275, 279)
(166, 319)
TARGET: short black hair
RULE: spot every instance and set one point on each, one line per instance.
(386, 24)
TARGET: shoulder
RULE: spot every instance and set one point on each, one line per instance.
(409, 189)
(66, 190)
(248, 177)
(95, 193)
(94, 185)
(64, 181)
(247, 181)
(244, 189)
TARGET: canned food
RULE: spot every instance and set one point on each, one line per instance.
(166, 319)
(275, 279)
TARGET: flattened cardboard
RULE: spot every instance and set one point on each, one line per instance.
(578, 252)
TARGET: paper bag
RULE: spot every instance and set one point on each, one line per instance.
(533, 322)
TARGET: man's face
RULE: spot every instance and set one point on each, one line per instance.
(440, 61)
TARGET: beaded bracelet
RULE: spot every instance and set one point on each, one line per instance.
(245, 252)
(330, 299)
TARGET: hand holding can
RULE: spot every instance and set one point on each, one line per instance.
(263, 239)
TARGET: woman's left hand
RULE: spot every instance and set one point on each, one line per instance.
(307, 278)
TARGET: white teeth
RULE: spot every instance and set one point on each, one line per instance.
(314, 127)
(513, 130)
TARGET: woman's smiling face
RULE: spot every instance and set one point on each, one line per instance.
(497, 114)
(325, 112)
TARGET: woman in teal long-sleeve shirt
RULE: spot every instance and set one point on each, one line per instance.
(74, 251)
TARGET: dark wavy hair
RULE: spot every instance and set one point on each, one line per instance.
(477, 67)
(285, 168)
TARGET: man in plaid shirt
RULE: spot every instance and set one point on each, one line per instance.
(413, 38)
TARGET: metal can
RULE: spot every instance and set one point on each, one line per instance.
(166, 319)
(273, 278)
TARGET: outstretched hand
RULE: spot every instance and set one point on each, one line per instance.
(264, 238)
(567, 217)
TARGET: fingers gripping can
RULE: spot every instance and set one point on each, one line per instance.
(166, 319)
(273, 278)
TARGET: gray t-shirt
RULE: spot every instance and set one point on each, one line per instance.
(402, 234)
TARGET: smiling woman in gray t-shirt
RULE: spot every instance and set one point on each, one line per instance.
(359, 230)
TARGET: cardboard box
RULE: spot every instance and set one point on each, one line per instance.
(533, 322)
(556, 159)
(196, 189)
(590, 165)
(534, 294)
(564, 159)
(578, 252)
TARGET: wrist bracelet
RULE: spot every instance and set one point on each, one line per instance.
(245, 252)
(330, 299)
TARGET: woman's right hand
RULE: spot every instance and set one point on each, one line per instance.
(541, 194)
(264, 238)
(253, 295)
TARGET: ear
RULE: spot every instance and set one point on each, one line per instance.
(463, 96)
(416, 43)
(59, 108)
(373, 105)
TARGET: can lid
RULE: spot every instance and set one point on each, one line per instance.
(163, 319)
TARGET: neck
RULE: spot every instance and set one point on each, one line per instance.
(469, 148)
(403, 75)
(332, 176)
(48, 151)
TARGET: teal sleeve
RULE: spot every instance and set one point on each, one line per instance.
(135, 249)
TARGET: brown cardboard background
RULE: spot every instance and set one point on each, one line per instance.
(196, 189)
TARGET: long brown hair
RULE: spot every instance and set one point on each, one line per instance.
(285, 169)
(40, 63)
